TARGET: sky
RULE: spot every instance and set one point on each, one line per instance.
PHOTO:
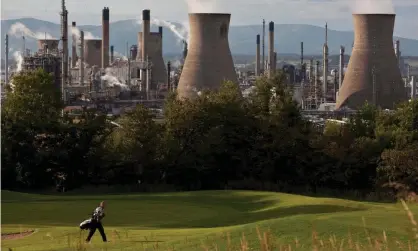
(316, 12)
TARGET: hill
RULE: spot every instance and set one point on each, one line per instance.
(195, 220)
(242, 38)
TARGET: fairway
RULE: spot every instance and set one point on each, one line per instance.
(195, 220)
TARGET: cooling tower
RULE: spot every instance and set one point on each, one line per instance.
(155, 56)
(51, 44)
(372, 74)
(92, 52)
(209, 60)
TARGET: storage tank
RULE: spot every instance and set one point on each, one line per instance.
(372, 74)
(93, 52)
(209, 60)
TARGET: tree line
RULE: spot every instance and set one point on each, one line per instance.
(219, 140)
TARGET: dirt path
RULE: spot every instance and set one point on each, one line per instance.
(15, 236)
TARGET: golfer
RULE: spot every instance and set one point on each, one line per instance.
(96, 222)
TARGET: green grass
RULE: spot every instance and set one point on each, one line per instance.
(195, 220)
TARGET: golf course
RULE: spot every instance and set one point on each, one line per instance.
(210, 220)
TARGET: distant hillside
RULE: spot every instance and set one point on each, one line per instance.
(242, 38)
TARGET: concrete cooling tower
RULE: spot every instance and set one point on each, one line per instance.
(93, 52)
(155, 56)
(372, 74)
(51, 44)
(209, 60)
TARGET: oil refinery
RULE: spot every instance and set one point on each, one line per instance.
(94, 76)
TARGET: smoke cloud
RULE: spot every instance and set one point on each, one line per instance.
(181, 33)
(120, 55)
(17, 55)
(203, 6)
(77, 34)
(373, 7)
(19, 29)
(111, 80)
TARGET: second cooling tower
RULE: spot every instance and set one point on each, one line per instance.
(209, 60)
(372, 74)
(93, 52)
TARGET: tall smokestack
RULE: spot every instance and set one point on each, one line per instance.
(185, 46)
(373, 73)
(316, 72)
(160, 30)
(398, 51)
(301, 54)
(257, 56)
(271, 48)
(146, 16)
(341, 68)
(81, 58)
(74, 47)
(209, 60)
(413, 88)
(64, 38)
(6, 58)
(263, 66)
(112, 54)
(105, 38)
(325, 64)
(274, 61)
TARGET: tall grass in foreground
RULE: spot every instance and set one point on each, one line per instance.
(267, 242)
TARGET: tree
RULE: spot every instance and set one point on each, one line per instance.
(30, 113)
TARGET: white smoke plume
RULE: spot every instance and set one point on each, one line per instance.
(203, 6)
(78, 63)
(373, 7)
(180, 32)
(77, 34)
(18, 57)
(19, 29)
(120, 55)
(111, 80)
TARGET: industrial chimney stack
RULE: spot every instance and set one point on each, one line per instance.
(64, 38)
(271, 49)
(209, 60)
(257, 57)
(81, 65)
(341, 68)
(6, 58)
(325, 65)
(112, 54)
(398, 51)
(185, 50)
(105, 38)
(146, 16)
(74, 47)
(373, 73)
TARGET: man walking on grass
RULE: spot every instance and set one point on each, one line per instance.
(96, 222)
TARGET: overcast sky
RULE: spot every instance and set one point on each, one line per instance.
(336, 12)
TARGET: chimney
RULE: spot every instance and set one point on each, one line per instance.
(160, 30)
(112, 54)
(341, 68)
(263, 60)
(311, 70)
(145, 33)
(6, 58)
(74, 46)
(413, 88)
(184, 50)
(271, 48)
(301, 54)
(105, 38)
(398, 51)
(316, 76)
(257, 56)
(81, 58)
(325, 64)
(274, 61)
(64, 38)
(168, 76)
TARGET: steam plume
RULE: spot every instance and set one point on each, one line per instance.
(19, 29)
(17, 55)
(111, 80)
(77, 33)
(120, 55)
(203, 6)
(373, 7)
(181, 33)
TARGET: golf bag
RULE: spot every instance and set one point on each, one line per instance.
(85, 224)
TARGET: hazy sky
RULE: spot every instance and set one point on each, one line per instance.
(336, 12)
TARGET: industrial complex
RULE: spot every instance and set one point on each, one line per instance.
(93, 76)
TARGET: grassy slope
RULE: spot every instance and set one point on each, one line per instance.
(186, 221)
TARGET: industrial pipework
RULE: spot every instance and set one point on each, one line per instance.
(257, 56)
(373, 72)
(105, 38)
(209, 61)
